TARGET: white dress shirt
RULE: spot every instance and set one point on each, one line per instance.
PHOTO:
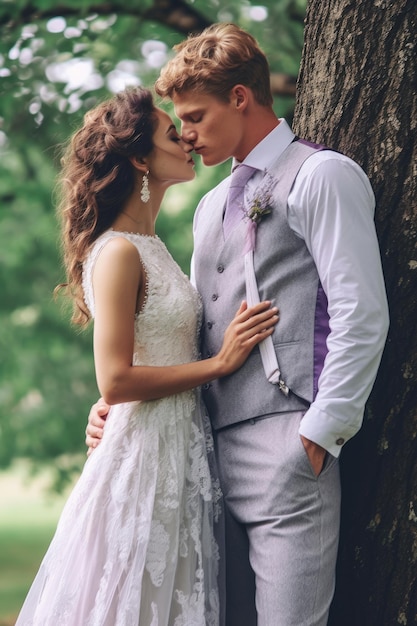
(331, 207)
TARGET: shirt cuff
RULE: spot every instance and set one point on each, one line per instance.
(327, 431)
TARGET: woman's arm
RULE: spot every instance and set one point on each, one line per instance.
(118, 282)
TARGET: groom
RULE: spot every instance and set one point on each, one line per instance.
(316, 255)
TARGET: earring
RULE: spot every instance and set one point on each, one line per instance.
(144, 192)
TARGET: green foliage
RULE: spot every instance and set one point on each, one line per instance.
(46, 373)
(56, 62)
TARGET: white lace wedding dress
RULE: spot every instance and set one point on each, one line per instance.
(134, 545)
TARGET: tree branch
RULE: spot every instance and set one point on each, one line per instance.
(283, 84)
(177, 15)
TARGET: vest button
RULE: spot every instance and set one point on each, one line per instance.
(209, 325)
(220, 268)
(214, 297)
(206, 386)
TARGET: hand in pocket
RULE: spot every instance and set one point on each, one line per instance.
(315, 453)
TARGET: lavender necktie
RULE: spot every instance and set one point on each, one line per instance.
(235, 200)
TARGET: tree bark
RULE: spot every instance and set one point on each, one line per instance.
(357, 94)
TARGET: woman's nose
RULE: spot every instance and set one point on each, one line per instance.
(187, 146)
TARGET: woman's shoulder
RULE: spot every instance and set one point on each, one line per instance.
(116, 255)
(114, 243)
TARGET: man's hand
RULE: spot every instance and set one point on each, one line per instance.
(315, 453)
(96, 422)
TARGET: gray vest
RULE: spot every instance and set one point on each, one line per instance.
(286, 275)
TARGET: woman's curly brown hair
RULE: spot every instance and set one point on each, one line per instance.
(97, 178)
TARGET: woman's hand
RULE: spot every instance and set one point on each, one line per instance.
(249, 327)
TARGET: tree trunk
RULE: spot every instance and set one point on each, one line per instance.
(356, 93)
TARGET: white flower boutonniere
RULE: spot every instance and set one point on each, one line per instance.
(260, 205)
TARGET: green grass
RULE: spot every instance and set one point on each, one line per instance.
(27, 523)
(21, 551)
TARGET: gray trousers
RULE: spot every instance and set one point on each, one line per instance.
(282, 525)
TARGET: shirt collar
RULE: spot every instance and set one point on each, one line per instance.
(267, 151)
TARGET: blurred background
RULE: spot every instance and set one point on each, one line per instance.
(56, 61)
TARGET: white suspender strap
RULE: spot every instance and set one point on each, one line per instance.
(266, 347)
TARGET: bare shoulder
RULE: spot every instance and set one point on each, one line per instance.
(117, 263)
(118, 250)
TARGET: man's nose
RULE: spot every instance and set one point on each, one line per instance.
(188, 134)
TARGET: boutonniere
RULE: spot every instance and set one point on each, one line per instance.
(260, 205)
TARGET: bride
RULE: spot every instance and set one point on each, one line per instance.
(135, 544)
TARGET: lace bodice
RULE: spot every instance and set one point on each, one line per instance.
(166, 328)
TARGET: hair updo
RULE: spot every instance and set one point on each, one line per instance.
(97, 178)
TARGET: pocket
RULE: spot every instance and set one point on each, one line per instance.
(329, 461)
(305, 463)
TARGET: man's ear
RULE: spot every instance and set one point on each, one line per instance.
(240, 96)
(139, 164)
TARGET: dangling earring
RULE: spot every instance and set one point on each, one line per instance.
(144, 192)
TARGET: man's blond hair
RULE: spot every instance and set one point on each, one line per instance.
(213, 62)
